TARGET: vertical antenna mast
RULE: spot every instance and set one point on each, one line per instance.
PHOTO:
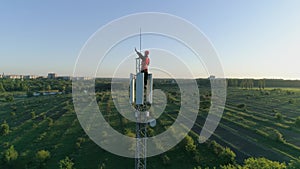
(138, 60)
(140, 39)
(141, 117)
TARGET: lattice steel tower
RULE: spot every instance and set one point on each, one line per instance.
(141, 98)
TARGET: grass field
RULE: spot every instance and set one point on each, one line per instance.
(254, 130)
(55, 128)
(249, 126)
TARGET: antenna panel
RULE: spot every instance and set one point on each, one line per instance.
(139, 100)
(149, 92)
(132, 89)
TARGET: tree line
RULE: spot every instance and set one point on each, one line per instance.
(35, 85)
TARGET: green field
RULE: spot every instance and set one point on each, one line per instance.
(262, 123)
(49, 123)
(255, 123)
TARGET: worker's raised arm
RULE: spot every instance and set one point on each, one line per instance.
(139, 54)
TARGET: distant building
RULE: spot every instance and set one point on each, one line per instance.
(1, 76)
(64, 77)
(52, 75)
(30, 77)
(14, 76)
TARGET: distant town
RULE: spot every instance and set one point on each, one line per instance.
(49, 76)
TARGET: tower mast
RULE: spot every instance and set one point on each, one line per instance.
(141, 118)
(140, 39)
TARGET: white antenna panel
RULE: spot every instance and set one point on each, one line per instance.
(139, 100)
(132, 88)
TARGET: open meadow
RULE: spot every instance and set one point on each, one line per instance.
(44, 132)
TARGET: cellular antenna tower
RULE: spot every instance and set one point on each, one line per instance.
(141, 100)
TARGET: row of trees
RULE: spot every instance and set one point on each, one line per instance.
(9, 85)
(261, 83)
(225, 157)
(247, 83)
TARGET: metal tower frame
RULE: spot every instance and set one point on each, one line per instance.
(141, 116)
(140, 98)
(141, 137)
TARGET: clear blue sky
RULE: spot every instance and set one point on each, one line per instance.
(253, 38)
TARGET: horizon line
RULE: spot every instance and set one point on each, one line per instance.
(103, 77)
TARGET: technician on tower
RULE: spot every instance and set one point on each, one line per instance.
(145, 63)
